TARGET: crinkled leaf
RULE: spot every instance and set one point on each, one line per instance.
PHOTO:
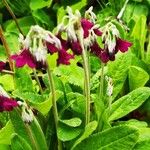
(18, 143)
(89, 129)
(128, 103)
(67, 133)
(137, 77)
(122, 137)
(5, 133)
(73, 122)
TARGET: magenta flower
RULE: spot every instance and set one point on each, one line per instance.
(51, 47)
(24, 58)
(122, 45)
(7, 104)
(87, 25)
(75, 47)
(2, 65)
(64, 57)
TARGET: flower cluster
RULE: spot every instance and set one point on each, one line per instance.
(36, 45)
(6, 103)
(83, 33)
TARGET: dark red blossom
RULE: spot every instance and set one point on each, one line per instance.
(87, 25)
(64, 57)
(51, 47)
(122, 45)
(24, 58)
(95, 49)
(64, 43)
(104, 56)
(76, 48)
(2, 65)
(7, 104)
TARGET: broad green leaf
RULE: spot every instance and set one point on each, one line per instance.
(89, 129)
(67, 133)
(43, 19)
(25, 23)
(122, 137)
(72, 74)
(117, 70)
(38, 4)
(4, 147)
(12, 41)
(139, 34)
(5, 133)
(7, 82)
(42, 103)
(38, 135)
(144, 139)
(20, 127)
(18, 143)
(2, 53)
(73, 122)
(23, 80)
(137, 77)
(128, 103)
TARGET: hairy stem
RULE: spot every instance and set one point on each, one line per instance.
(101, 92)
(86, 79)
(38, 81)
(13, 15)
(55, 111)
(6, 48)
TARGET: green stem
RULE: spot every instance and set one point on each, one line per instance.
(13, 15)
(101, 92)
(55, 111)
(38, 81)
(87, 80)
(2, 37)
(122, 10)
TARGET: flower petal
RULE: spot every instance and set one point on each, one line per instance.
(122, 45)
(76, 48)
(2, 65)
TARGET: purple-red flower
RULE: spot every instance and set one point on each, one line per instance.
(75, 47)
(7, 104)
(87, 25)
(2, 65)
(24, 58)
(64, 57)
(122, 45)
(51, 47)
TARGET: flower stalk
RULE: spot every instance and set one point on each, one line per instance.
(8, 53)
(55, 111)
(101, 88)
(86, 77)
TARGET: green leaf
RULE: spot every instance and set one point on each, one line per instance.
(117, 70)
(7, 82)
(73, 122)
(5, 133)
(20, 127)
(42, 103)
(137, 77)
(4, 147)
(67, 133)
(23, 80)
(89, 129)
(38, 135)
(122, 137)
(144, 139)
(128, 103)
(38, 4)
(72, 74)
(24, 23)
(18, 143)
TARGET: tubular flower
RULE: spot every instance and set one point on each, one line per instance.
(6, 103)
(113, 43)
(79, 28)
(2, 65)
(24, 58)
